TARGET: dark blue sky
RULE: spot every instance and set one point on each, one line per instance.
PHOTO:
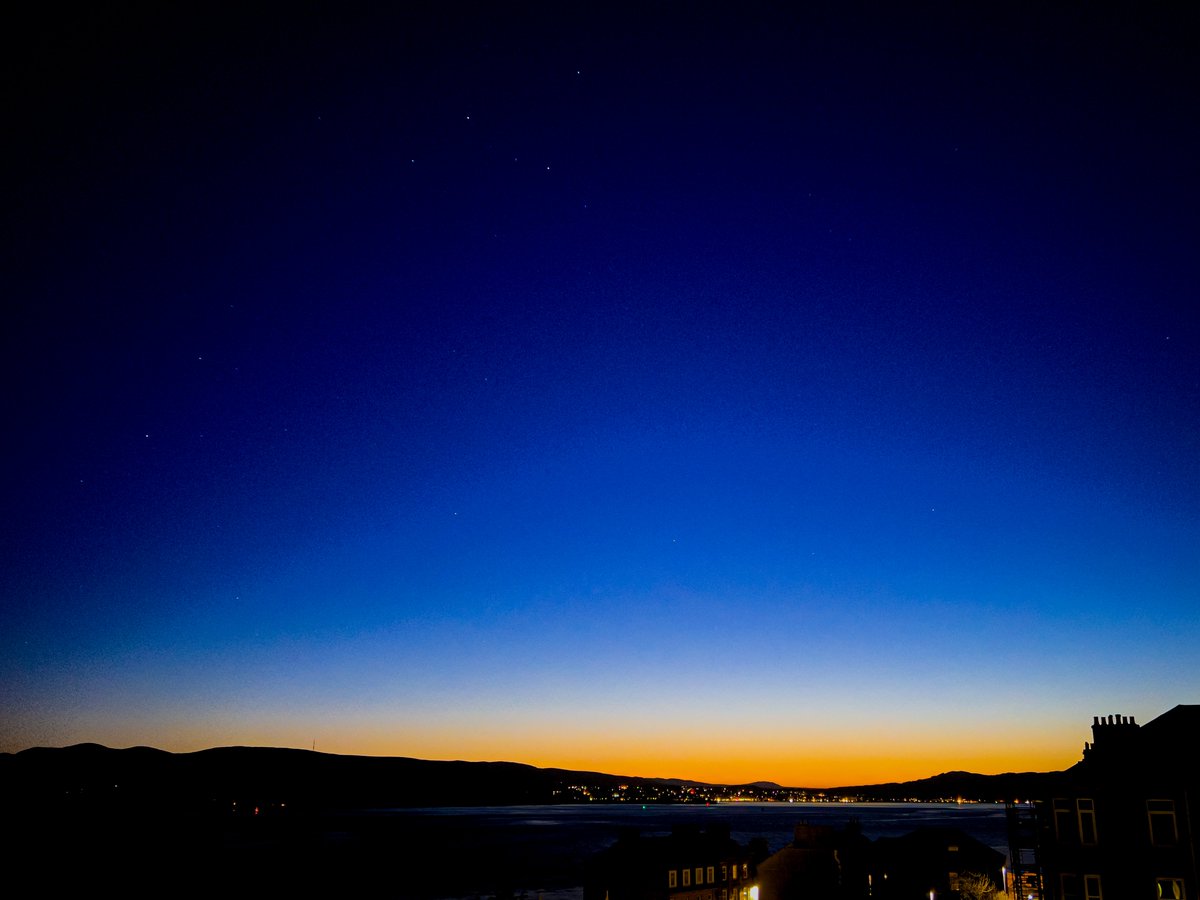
(533, 384)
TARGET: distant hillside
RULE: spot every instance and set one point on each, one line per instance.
(263, 776)
(241, 778)
(957, 785)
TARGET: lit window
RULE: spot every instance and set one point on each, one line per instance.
(1091, 887)
(1087, 821)
(671, 879)
(687, 877)
(699, 875)
(1163, 832)
(745, 870)
(709, 874)
(1170, 889)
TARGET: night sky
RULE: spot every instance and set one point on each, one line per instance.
(727, 395)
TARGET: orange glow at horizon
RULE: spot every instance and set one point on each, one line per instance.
(832, 759)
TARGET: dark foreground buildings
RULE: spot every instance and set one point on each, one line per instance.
(824, 863)
(932, 862)
(688, 864)
(1122, 823)
(821, 861)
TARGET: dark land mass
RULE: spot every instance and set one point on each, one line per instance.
(966, 786)
(250, 819)
(272, 779)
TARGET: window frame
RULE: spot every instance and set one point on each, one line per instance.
(1063, 813)
(1166, 813)
(1087, 814)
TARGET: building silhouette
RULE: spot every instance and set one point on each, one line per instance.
(1121, 824)
(688, 864)
(822, 861)
(931, 862)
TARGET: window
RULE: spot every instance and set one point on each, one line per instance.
(709, 875)
(1170, 889)
(1064, 827)
(1087, 821)
(1091, 887)
(745, 870)
(1163, 832)
(687, 877)
(724, 875)
(1070, 886)
(724, 894)
(699, 875)
(671, 879)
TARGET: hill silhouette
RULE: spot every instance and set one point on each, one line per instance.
(218, 780)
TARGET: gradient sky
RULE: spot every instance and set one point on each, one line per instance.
(808, 397)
